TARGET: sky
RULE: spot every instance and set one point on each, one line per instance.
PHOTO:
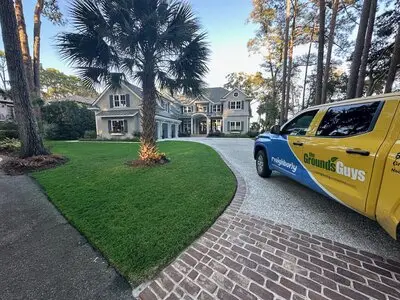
(224, 21)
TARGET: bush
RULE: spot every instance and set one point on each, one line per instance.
(11, 134)
(8, 126)
(183, 134)
(90, 134)
(10, 145)
(137, 134)
(215, 134)
(67, 120)
(252, 134)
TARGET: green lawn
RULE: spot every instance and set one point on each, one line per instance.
(140, 219)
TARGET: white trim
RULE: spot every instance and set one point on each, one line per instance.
(118, 116)
(108, 88)
(166, 119)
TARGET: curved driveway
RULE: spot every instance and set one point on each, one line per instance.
(285, 201)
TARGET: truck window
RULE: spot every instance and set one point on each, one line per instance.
(300, 124)
(348, 120)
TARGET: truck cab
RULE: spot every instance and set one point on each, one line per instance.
(348, 151)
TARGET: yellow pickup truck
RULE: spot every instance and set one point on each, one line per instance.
(348, 151)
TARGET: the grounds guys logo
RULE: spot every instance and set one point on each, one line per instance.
(396, 164)
(334, 165)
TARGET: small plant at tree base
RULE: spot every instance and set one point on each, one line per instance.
(10, 145)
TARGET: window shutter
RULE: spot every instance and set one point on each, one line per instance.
(128, 100)
(125, 126)
(241, 125)
(242, 104)
(109, 126)
(111, 101)
(229, 126)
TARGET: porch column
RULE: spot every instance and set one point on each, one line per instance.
(169, 130)
(160, 130)
(176, 130)
(208, 125)
(191, 126)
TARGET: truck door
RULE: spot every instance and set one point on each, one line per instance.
(287, 147)
(341, 154)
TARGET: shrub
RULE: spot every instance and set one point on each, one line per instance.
(8, 126)
(137, 134)
(183, 134)
(67, 120)
(90, 134)
(215, 134)
(11, 134)
(10, 145)
(252, 134)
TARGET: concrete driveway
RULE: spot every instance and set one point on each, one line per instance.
(285, 201)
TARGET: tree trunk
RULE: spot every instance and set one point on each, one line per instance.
(291, 46)
(394, 62)
(148, 149)
(31, 142)
(23, 38)
(285, 58)
(358, 50)
(331, 38)
(320, 62)
(36, 47)
(367, 46)
(307, 63)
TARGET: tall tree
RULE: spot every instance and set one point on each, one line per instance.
(320, 60)
(152, 41)
(285, 59)
(3, 70)
(31, 142)
(358, 50)
(23, 37)
(367, 47)
(394, 64)
(331, 37)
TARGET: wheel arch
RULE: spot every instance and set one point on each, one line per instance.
(259, 147)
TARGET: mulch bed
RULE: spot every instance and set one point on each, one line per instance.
(12, 165)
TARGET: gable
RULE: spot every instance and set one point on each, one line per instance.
(103, 101)
(231, 95)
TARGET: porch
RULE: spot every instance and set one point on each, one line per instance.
(200, 124)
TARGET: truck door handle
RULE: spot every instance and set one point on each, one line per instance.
(358, 151)
(297, 143)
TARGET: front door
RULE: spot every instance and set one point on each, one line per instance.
(342, 152)
(203, 127)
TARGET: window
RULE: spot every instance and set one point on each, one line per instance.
(216, 108)
(187, 109)
(236, 126)
(186, 126)
(235, 94)
(300, 124)
(216, 125)
(117, 126)
(348, 120)
(119, 100)
(235, 105)
(202, 108)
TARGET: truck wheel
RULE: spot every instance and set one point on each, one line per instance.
(262, 167)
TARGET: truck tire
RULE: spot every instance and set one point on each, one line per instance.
(262, 166)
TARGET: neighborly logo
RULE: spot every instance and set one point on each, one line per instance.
(283, 163)
(335, 165)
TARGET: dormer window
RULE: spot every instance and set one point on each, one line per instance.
(216, 108)
(119, 101)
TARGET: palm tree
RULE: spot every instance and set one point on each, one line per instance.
(158, 43)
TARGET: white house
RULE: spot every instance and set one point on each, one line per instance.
(118, 113)
(6, 109)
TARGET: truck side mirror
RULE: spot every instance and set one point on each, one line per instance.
(275, 129)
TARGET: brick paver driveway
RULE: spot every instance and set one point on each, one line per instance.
(278, 240)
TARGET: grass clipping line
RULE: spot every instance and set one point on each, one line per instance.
(19, 166)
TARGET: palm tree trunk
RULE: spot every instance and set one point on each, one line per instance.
(358, 50)
(291, 46)
(307, 63)
(367, 46)
(36, 46)
(331, 38)
(285, 58)
(23, 37)
(320, 62)
(148, 149)
(31, 142)
(394, 62)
